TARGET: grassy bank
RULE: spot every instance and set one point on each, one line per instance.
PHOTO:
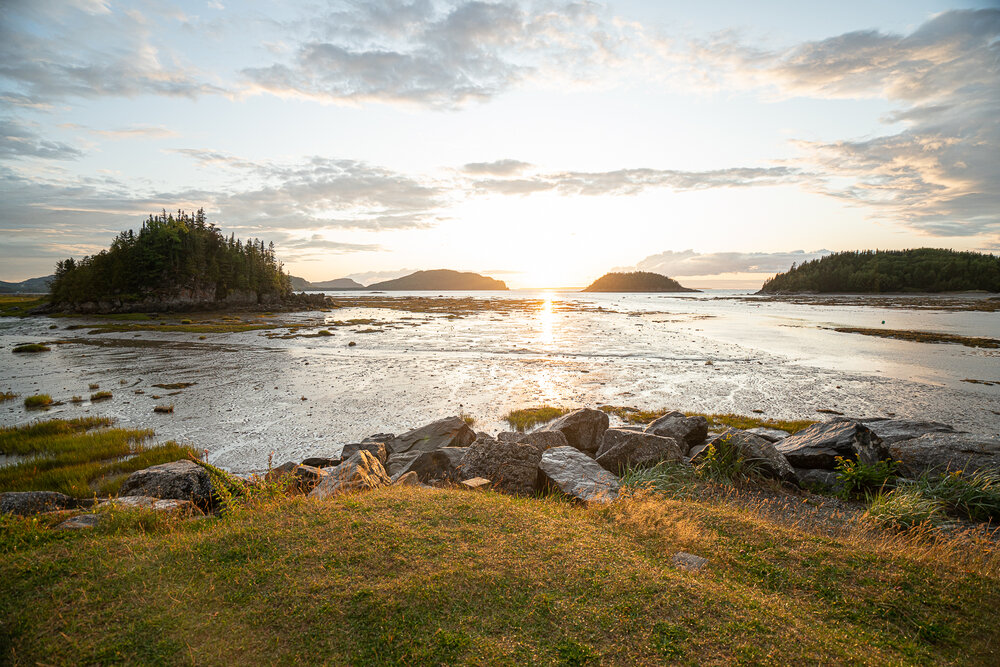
(442, 576)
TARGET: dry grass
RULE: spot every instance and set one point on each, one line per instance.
(100, 396)
(412, 576)
(525, 418)
(7, 396)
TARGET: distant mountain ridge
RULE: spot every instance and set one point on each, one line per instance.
(301, 284)
(441, 279)
(636, 281)
(29, 286)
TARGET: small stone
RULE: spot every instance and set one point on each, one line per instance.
(689, 562)
(79, 522)
(477, 483)
(407, 479)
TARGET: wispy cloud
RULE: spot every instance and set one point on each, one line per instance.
(691, 263)
(17, 140)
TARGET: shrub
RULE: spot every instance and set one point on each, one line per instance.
(38, 401)
(904, 508)
(31, 347)
(859, 478)
(976, 497)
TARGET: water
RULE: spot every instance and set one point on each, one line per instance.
(707, 352)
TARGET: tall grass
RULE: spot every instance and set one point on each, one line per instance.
(38, 401)
(523, 419)
(905, 508)
(975, 497)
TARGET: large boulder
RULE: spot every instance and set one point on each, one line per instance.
(820, 444)
(447, 432)
(361, 472)
(33, 502)
(938, 453)
(577, 475)
(395, 464)
(583, 429)
(639, 450)
(612, 437)
(769, 434)
(541, 440)
(894, 430)
(166, 505)
(758, 452)
(511, 466)
(687, 431)
(441, 465)
(183, 480)
(378, 449)
(307, 476)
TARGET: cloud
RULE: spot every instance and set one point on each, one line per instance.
(18, 141)
(940, 174)
(396, 51)
(496, 168)
(691, 263)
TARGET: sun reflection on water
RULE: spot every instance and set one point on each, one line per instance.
(546, 316)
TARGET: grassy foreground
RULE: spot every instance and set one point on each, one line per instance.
(444, 576)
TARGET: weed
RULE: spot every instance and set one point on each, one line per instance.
(975, 497)
(7, 396)
(469, 420)
(38, 401)
(859, 478)
(175, 385)
(93, 386)
(76, 399)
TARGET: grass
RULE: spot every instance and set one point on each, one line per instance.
(923, 336)
(100, 396)
(469, 420)
(715, 420)
(483, 578)
(175, 385)
(38, 401)
(7, 396)
(525, 418)
(12, 305)
(31, 347)
(975, 497)
(905, 508)
(79, 457)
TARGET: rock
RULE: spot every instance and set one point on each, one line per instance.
(758, 452)
(946, 452)
(320, 462)
(687, 431)
(447, 432)
(285, 468)
(307, 477)
(183, 480)
(81, 521)
(769, 434)
(813, 478)
(476, 483)
(612, 437)
(687, 561)
(378, 449)
(639, 450)
(577, 475)
(26, 503)
(361, 472)
(397, 462)
(409, 479)
(155, 504)
(894, 430)
(379, 437)
(513, 466)
(583, 429)
(818, 445)
(440, 465)
(541, 440)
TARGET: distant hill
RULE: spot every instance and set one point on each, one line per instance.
(301, 284)
(29, 286)
(878, 271)
(636, 281)
(441, 279)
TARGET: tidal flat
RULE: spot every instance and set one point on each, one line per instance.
(291, 385)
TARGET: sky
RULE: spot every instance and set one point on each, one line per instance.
(543, 143)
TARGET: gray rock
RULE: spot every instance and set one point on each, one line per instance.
(441, 465)
(541, 440)
(321, 462)
(307, 477)
(687, 431)
(184, 480)
(612, 437)
(583, 429)
(379, 437)
(639, 450)
(378, 449)
(758, 453)
(577, 475)
(813, 478)
(397, 462)
(26, 503)
(511, 466)
(894, 430)
(818, 445)
(409, 479)
(687, 561)
(361, 472)
(447, 432)
(938, 453)
(278, 472)
(769, 434)
(81, 521)
(155, 504)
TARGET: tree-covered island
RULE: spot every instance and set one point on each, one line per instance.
(636, 281)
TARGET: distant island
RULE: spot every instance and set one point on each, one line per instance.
(441, 279)
(636, 281)
(890, 271)
(174, 262)
(302, 285)
(29, 286)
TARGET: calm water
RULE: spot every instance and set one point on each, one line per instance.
(702, 352)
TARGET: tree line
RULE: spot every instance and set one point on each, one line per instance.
(169, 253)
(877, 271)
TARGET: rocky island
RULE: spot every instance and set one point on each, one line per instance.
(441, 279)
(636, 281)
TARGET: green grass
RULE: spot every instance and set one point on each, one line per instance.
(521, 420)
(31, 347)
(12, 305)
(405, 575)
(905, 508)
(100, 396)
(975, 497)
(7, 396)
(715, 419)
(79, 457)
(38, 401)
